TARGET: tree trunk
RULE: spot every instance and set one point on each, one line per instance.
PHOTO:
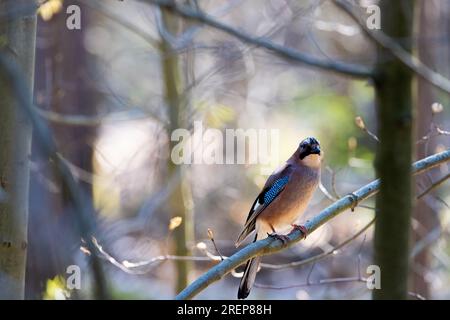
(64, 85)
(428, 26)
(180, 198)
(394, 153)
(17, 39)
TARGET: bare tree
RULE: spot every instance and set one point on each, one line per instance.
(428, 24)
(17, 40)
(393, 93)
(177, 111)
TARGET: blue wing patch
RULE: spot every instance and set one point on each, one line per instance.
(275, 189)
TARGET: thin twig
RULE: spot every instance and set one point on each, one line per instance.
(371, 134)
(89, 121)
(308, 278)
(184, 40)
(434, 185)
(319, 256)
(426, 241)
(327, 281)
(327, 194)
(333, 183)
(433, 132)
(336, 196)
(309, 284)
(359, 256)
(410, 61)
(284, 52)
(136, 267)
(442, 201)
(129, 267)
(124, 23)
(361, 125)
(211, 237)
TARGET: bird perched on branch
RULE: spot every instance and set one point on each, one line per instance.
(282, 201)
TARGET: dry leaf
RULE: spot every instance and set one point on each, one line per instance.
(360, 123)
(437, 107)
(210, 234)
(175, 223)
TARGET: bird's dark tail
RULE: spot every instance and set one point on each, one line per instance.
(248, 278)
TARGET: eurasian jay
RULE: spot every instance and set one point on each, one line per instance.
(282, 201)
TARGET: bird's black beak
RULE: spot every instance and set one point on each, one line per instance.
(315, 150)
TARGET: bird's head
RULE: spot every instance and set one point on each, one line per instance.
(309, 153)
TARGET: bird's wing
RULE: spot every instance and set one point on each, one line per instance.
(272, 189)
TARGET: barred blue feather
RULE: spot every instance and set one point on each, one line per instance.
(275, 189)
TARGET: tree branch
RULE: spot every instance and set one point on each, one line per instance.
(143, 34)
(410, 61)
(92, 121)
(284, 52)
(330, 281)
(321, 255)
(271, 245)
(434, 185)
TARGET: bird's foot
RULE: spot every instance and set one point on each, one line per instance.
(301, 228)
(355, 200)
(283, 238)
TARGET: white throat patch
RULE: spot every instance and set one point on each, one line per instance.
(312, 160)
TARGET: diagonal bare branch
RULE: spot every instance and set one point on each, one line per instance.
(410, 61)
(284, 52)
(434, 185)
(321, 255)
(271, 245)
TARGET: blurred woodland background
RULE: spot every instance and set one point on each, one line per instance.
(112, 92)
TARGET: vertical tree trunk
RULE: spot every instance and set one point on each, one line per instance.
(181, 195)
(394, 153)
(17, 39)
(428, 30)
(63, 85)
